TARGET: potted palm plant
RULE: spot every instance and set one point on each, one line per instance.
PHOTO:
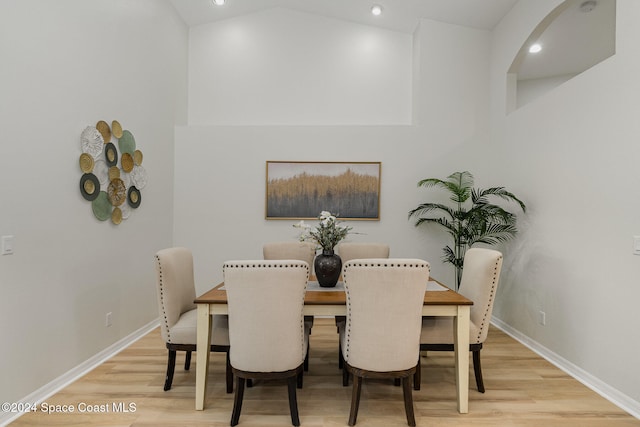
(473, 218)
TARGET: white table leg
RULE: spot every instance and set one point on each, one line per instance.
(202, 353)
(461, 344)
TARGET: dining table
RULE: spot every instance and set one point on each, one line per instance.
(439, 300)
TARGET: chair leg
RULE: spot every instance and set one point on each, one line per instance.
(408, 400)
(171, 366)
(229, 375)
(397, 382)
(345, 376)
(293, 402)
(306, 360)
(477, 369)
(417, 377)
(340, 357)
(355, 399)
(187, 361)
(299, 379)
(237, 402)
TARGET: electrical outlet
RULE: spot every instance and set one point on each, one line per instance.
(108, 319)
(542, 318)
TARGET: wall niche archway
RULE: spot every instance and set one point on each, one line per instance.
(571, 39)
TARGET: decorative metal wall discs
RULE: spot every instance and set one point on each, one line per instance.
(110, 180)
(127, 143)
(116, 216)
(89, 186)
(137, 157)
(111, 154)
(127, 162)
(104, 130)
(134, 198)
(86, 162)
(102, 207)
(117, 192)
(116, 129)
(114, 173)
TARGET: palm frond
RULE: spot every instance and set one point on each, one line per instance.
(494, 233)
(482, 222)
(443, 222)
(430, 207)
(480, 196)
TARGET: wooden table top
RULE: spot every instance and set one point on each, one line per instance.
(449, 297)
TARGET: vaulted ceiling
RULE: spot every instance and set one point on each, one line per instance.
(576, 40)
(398, 15)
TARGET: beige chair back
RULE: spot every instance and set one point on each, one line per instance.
(357, 250)
(175, 287)
(384, 312)
(479, 283)
(265, 299)
(305, 251)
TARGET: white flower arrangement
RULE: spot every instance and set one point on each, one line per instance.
(327, 234)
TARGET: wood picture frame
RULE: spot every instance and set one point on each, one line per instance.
(301, 190)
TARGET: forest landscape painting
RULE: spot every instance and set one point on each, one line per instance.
(301, 190)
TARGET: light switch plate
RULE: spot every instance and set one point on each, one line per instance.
(7, 245)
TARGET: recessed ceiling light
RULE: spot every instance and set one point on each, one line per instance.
(218, 2)
(535, 48)
(376, 9)
(588, 6)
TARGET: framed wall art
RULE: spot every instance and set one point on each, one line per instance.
(301, 190)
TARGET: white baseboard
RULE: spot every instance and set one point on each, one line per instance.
(67, 378)
(603, 389)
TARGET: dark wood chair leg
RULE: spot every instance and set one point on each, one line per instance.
(237, 402)
(355, 399)
(340, 319)
(171, 366)
(408, 400)
(477, 369)
(306, 360)
(417, 377)
(345, 376)
(340, 357)
(397, 382)
(187, 361)
(293, 402)
(249, 382)
(299, 379)
(229, 375)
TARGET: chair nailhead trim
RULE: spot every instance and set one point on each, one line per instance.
(269, 264)
(369, 264)
(164, 313)
(491, 297)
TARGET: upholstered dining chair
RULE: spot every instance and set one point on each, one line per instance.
(357, 250)
(178, 314)
(292, 249)
(480, 276)
(381, 338)
(360, 250)
(267, 334)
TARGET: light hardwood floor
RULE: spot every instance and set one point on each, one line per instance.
(522, 390)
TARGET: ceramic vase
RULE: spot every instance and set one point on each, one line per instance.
(328, 267)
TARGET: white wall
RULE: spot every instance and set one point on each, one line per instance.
(221, 155)
(530, 89)
(451, 54)
(251, 71)
(572, 155)
(65, 65)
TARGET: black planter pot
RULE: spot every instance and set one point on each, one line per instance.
(328, 267)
